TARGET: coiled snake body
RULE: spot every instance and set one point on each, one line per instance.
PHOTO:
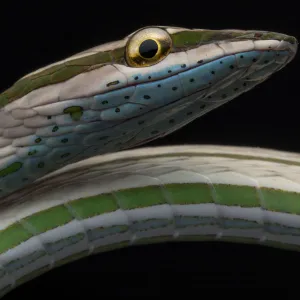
(70, 186)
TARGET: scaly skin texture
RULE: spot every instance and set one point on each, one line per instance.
(182, 41)
(56, 207)
(151, 195)
(95, 102)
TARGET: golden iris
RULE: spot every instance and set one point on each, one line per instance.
(148, 47)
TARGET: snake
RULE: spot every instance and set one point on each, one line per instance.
(74, 180)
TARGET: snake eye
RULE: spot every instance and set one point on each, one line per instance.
(148, 47)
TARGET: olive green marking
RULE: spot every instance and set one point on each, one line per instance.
(38, 140)
(140, 197)
(118, 55)
(281, 201)
(113, 83)
(55, 128)
(277, 36)
(49, 219)
(67, 73)
(12, 236)
(14, 167)
(233, 195)
(95, 59)
(189, 39)
(93, 206)
(189, 193)
(291, 40)
(60, 73)
(75, 112)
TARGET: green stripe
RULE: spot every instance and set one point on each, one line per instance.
(49, 219)
(140, 197)
(189, 193)
(193, 193)
(281, 201)
(93, 206)
(188, 38)
(245, 196)
(13, 235)
(59, 73)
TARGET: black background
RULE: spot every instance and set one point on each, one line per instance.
(36, 33)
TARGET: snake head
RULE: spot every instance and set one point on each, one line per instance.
(125, 93)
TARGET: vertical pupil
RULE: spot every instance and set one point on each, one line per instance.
(148, 48)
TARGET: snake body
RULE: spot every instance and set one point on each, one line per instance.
(66, 189)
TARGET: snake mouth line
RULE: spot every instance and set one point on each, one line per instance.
(200, 64)
(204, 97)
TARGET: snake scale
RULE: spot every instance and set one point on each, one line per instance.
(71, 186)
